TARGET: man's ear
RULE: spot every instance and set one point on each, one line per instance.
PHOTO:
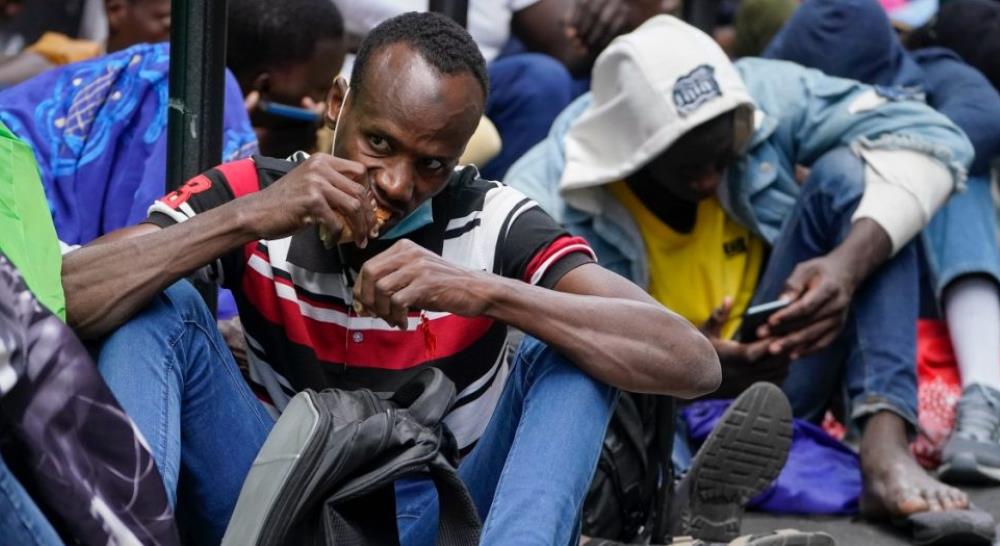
(116, 10)
(335, 101)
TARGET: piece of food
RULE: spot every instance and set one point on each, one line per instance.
(381, 217)
(347, 234)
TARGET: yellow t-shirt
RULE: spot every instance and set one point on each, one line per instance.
(691, 273)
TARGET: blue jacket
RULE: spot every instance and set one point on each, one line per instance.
(801, 115)
(98, 129)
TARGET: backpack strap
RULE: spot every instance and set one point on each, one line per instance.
(458, 520)
(665, 426)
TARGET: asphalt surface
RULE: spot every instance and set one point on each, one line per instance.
(854, 532)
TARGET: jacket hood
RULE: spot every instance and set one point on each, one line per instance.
(649, 88)
(848, 39)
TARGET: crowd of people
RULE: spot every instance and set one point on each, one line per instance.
(562, 204)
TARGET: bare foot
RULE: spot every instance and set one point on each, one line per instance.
(894, 484)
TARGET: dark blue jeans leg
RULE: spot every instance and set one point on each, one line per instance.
(173, 374)
(527, 92)
(961, 238)
(874, 358)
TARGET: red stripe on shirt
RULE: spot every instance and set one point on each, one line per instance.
(241, 176)
(384, 349)
(557, 246)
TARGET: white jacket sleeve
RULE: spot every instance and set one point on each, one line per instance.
(903, 190)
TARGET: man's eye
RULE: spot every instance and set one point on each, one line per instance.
(378, 143)
(433, 164)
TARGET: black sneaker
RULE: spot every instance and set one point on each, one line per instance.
(972, 454)
(740, 459)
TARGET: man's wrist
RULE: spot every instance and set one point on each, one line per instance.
(246, 222)
(493, 292)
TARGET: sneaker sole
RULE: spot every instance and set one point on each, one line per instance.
(740, 459)
(963, 468)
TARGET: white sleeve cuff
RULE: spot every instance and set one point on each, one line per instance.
(903, 190)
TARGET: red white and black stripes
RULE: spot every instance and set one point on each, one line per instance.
(295, 296)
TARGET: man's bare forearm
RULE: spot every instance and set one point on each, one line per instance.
(107, 282)
(631, 344)
(866, 247)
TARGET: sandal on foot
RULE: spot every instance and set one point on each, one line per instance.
(971, 527)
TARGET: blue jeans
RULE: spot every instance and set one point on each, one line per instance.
(21, 521)
(873, 360)
(171, 371)
(527, 92)
(531, 469)
(961, 238)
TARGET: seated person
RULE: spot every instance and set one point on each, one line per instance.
(285, 53)
(757, 21)
(970, 28)
(528, 89)
(130, 22)
(854, 39)
(58, 413)
(465, 258)
(83, 120)
(679, 170)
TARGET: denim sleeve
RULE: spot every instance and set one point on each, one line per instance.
(818, 113)
(538, 173)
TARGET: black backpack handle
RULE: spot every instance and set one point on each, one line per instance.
(427, 396)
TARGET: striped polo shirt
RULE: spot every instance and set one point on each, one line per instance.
(294, 295)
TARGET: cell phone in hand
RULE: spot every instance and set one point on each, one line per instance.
(756, 316)
(289, 112)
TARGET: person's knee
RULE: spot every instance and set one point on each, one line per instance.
(153, 329)
(541, 359)
(184, 299)
(536, 354)
(839, 173)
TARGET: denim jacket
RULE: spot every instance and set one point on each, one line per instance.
(800, 115)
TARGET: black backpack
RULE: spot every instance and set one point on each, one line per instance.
(629, 496)
(325, 474)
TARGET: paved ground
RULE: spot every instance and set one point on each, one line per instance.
(850, 532)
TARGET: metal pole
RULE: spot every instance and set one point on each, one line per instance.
(197, 93)
(197, 87)
(457, 10)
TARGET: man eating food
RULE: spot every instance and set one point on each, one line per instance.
(464, 258)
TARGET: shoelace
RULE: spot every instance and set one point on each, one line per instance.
(979, 416)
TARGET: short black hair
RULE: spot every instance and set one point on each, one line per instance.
(267, 33)
(440, 41)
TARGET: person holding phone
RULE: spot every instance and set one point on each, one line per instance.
(680, 169)
(285, 56)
